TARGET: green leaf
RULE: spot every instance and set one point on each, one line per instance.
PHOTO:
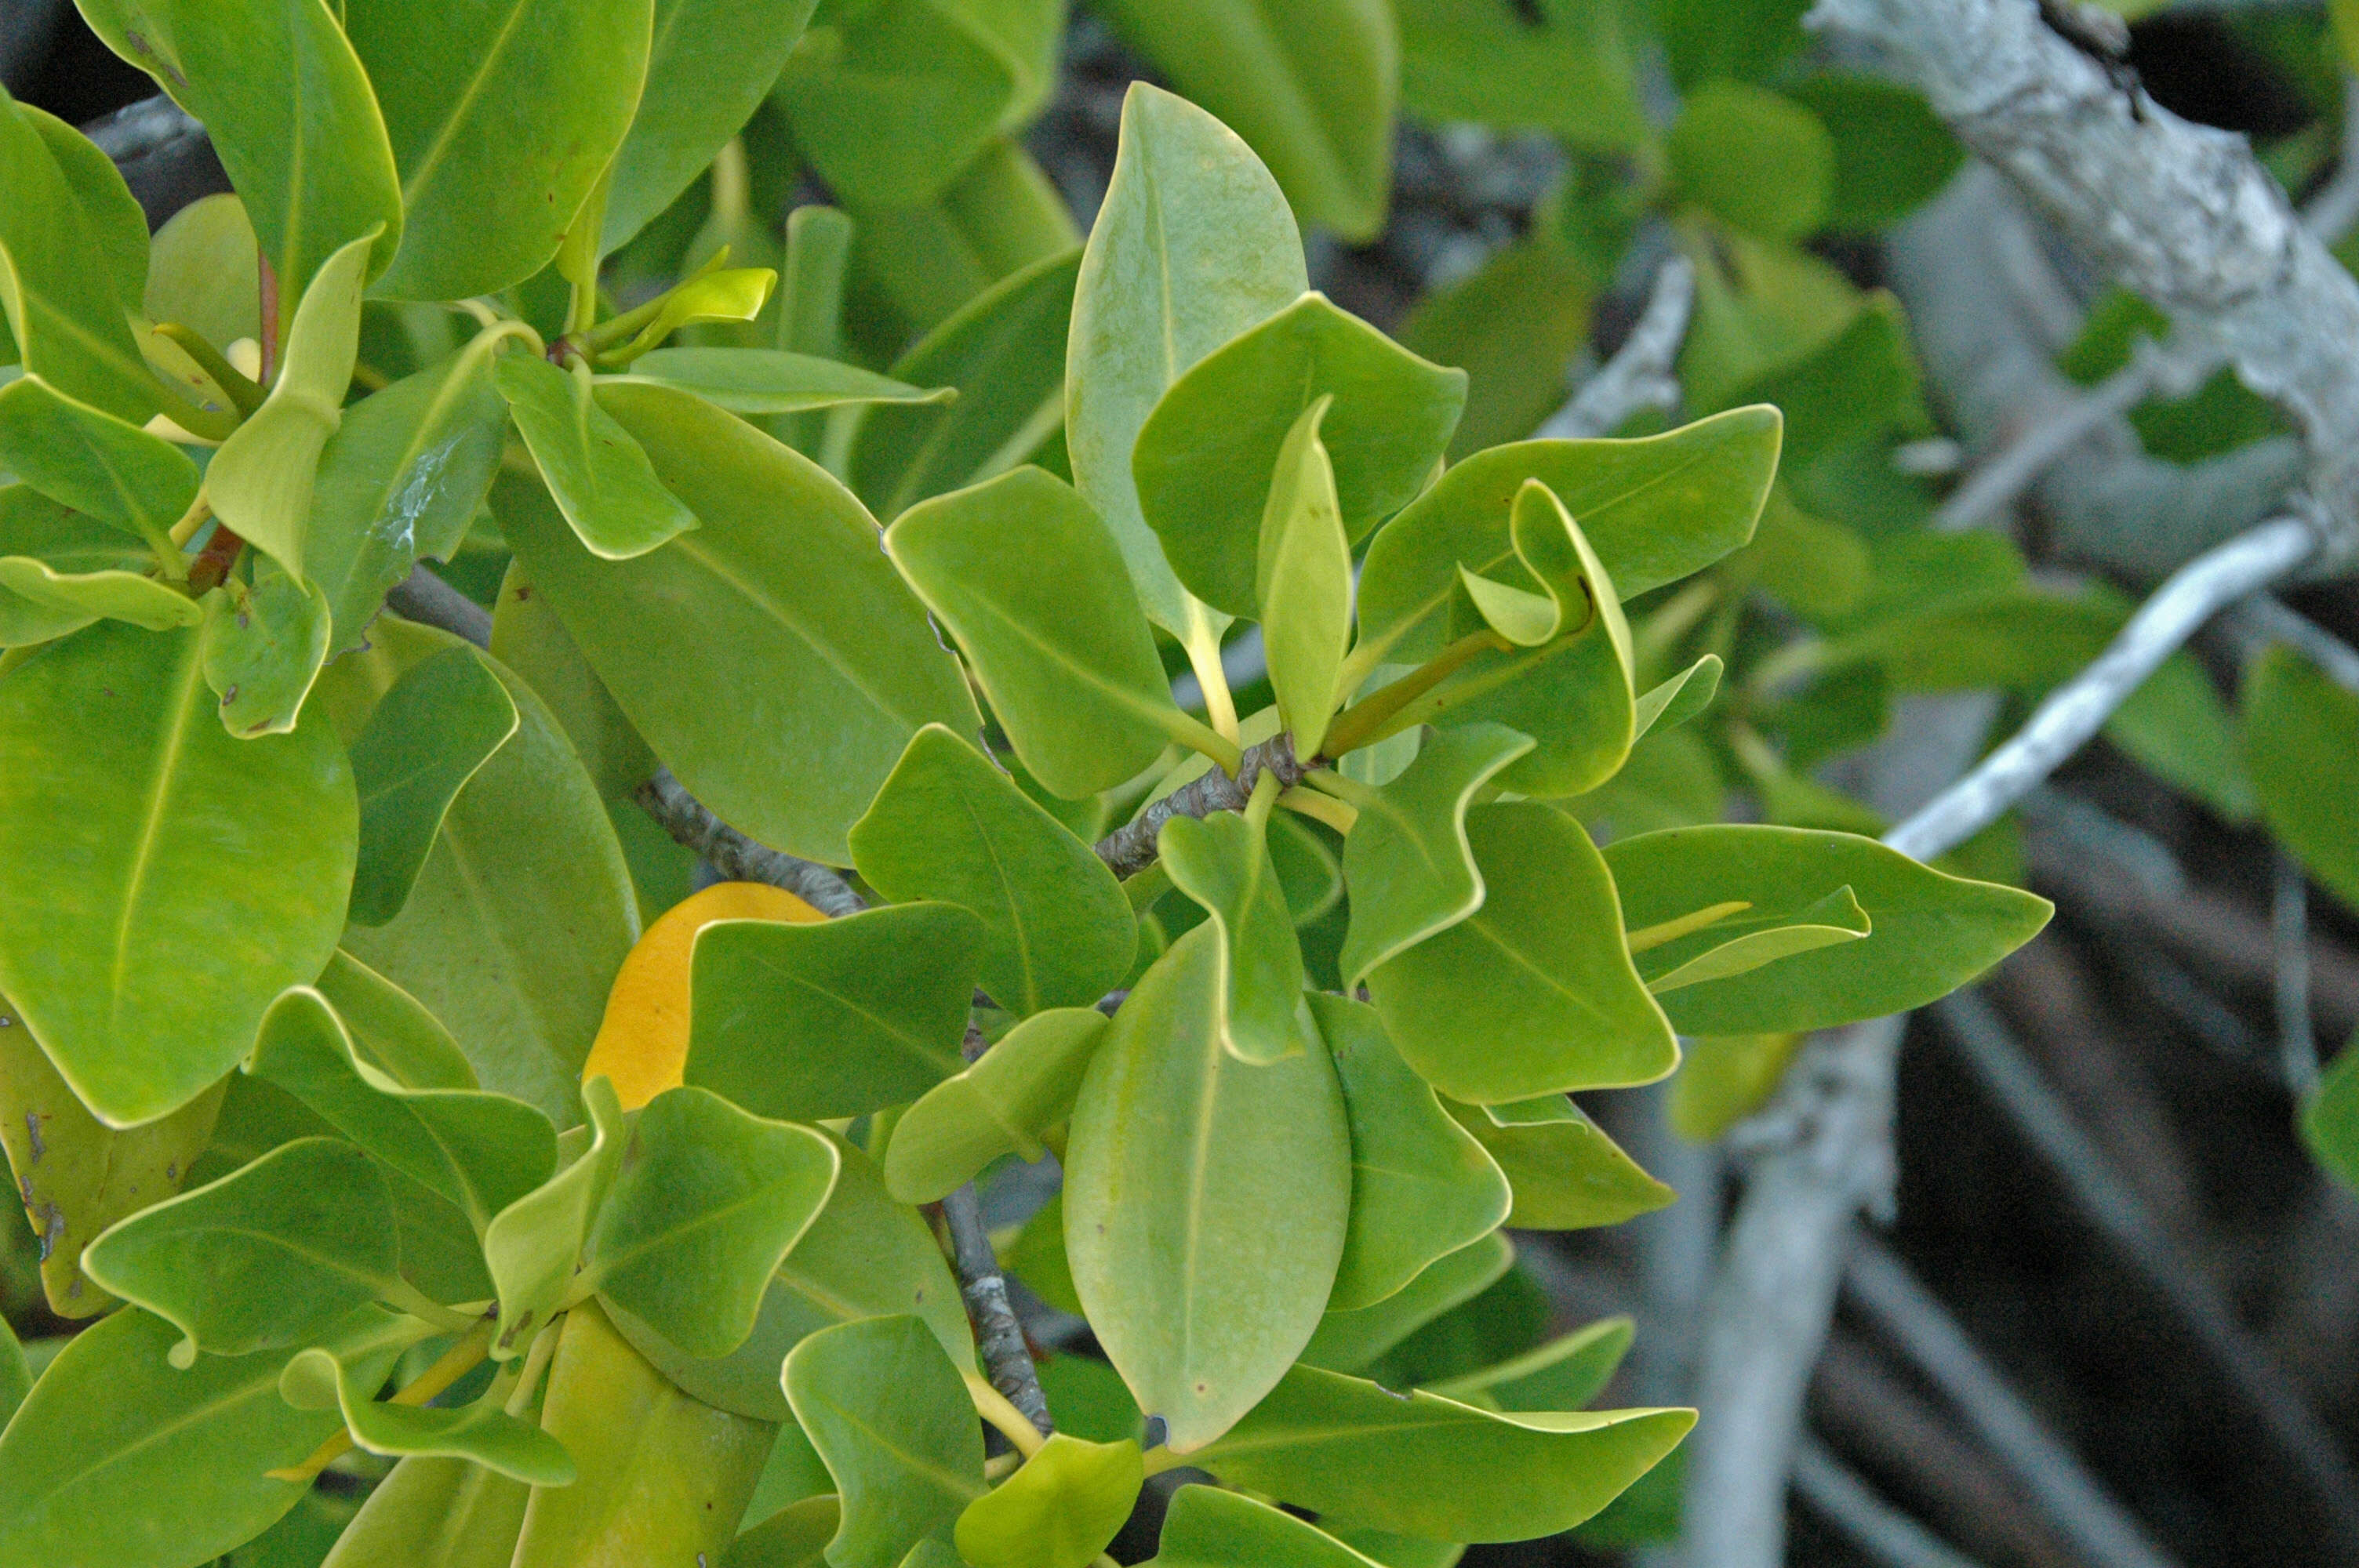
(2299, 732)
(1192, 245)
(1739, 946)
(1654, 509)
(1534, 993)
(502, 116)
(166, 881)
(61, 301)
(599, 476)
(400, 481)
(1058, 1510)
(1680, 699)
(76, 1175)
(481, 1151)
(202, 272)
(865, 1257)
(272, 1254)
(44, 533)
(888, 1414)
(1206, 452)
(771, 656)
(2330, 1118)
(1208, 1527)
(1756, 159)
(769, 381)
(1747, 39)
(263, 647)
(1206, 1200)
(1560, 65)
(1407, 861)
(1310, 85)
(430, 734)
(1932, 933)
(804, 1021)
(435, 1513)
(890, 100)
(1303, 583)
(529, 638)
(260, 482)
(1347, 1341)
(92, 462)
(1725, 1078)
(1004, 351)
(112, 214)
(289, 110)
(2176, 727)
(391, 1030)
(1021, 1087)
(951, 826)
(731, 293)
(1892, 154)
(480, 1431)
(123, 1459)
(531, 1246)
(524, 909)
(794, 1536)
(1434, 1468)
(1567, 1174)
(1512, 325)
(15, 1376)
(1564, 1374)
(705, 1205)
(69, 600)
(1422, 1188)
(710, 66)
(1028, 579)
(1223, 862)
(664, 1478)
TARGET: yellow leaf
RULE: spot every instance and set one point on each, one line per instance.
(642, 1043)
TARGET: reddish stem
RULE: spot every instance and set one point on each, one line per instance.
(211, 566)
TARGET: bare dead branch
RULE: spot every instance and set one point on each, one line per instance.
(1640, 375)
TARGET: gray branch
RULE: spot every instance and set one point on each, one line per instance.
(739, 859)
(2264, 619)
(2078, 709)
(998, 1335)
(1640, 375)
(426, 599)
(1882, 1531)
(2184, 214)
(2051, 1472)
(1130, 848)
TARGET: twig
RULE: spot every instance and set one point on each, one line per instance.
(2182, 214)
(426, 599)
(2289, 922)
(2264, 618)
(738, 858)
(2080, 708)
(1882, 1531)
(2099, 1190)
(1130, 848)
(2047, 1470)
(999, 1336)
(1640, 374)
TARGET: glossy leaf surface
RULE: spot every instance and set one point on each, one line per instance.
(1303, 584)
(1205, 454)
(86, 457)
(1203, 1303)
(1223, 862)
(531, 1246)
(771, 656)
(852, 1015)
(41, 540)
(1000, 1105)
(770, 380)
(75, 1175)
(1654, 509)
(904, 1468)
(271, 1255)
(1932, 932)
(1434, 1468)
(1058, 1510)
(440, 722)
(704, 1206)
(501, 115)
(1208, 1527)
(598, 475)
(435, 1513)
(1534, 992)
(951, 826)
(1422, 1187)
(1349, 1340)
(480, 1431)
(1029, 580)
(167, 880)
(1566, 1172)
(1407, 861)
(514, 964)
(263, 647)
(1193, 245)
(481, 1151)
(2298, 729)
